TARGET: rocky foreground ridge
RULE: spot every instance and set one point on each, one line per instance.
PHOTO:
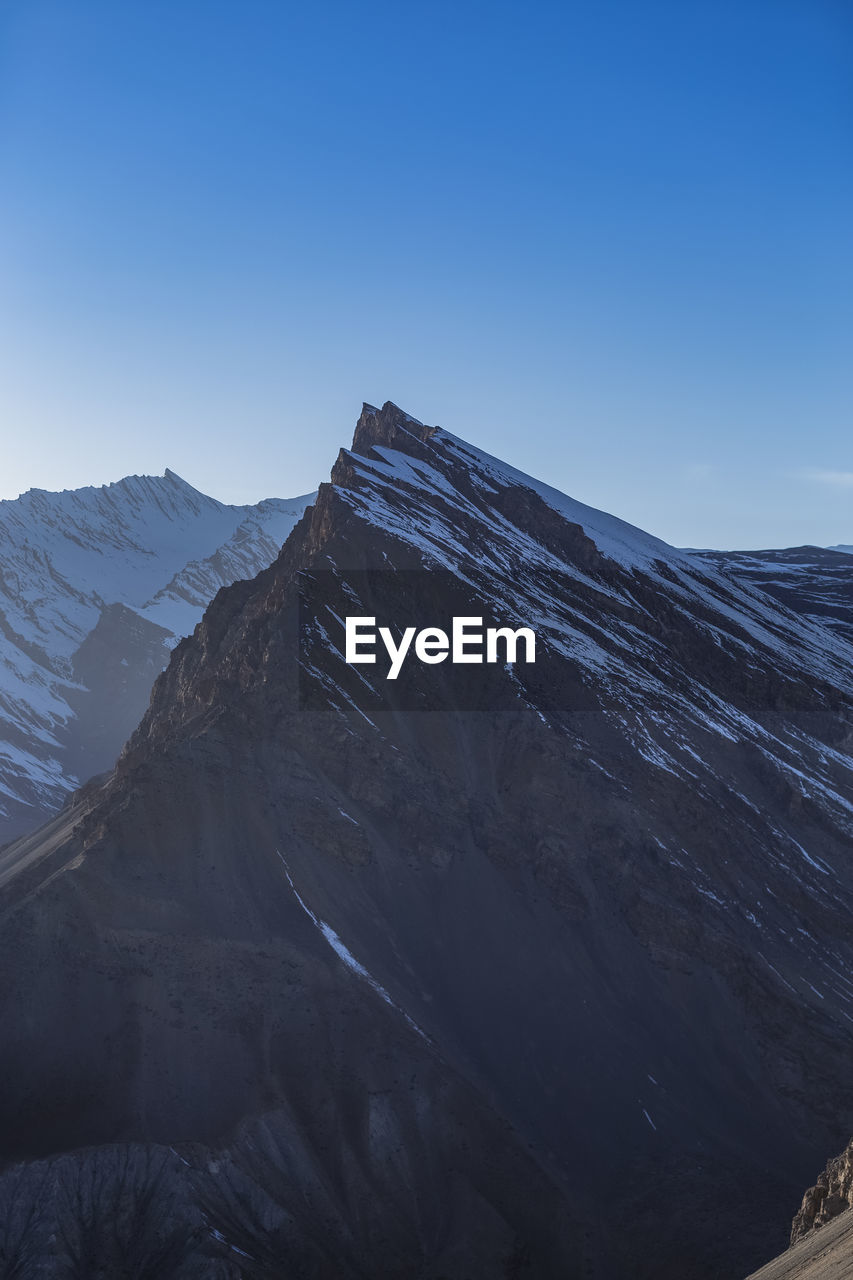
(821, 1246)
(831, 1195)
(389, 982)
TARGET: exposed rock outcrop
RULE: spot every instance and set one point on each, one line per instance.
(831, 1195)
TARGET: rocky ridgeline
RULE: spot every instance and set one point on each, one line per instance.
(831, 1195)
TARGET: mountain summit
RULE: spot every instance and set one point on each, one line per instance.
(446, 978)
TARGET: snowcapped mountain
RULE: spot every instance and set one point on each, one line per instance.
(447, 975)
(96, 586)
(814, 581)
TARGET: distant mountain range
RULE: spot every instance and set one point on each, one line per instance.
(96, 586)
(535, 970)
(814, 581)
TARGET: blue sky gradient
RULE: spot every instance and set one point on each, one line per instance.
(610, 241)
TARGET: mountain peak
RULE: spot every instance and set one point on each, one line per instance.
(383, 426)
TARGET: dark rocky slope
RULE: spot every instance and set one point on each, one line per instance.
(501, 958)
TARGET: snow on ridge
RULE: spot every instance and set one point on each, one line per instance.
(67, 554)
(739, 614)
(256, 541)
(153, 544)
(615, 538)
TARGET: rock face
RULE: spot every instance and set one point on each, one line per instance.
(96, 586)
(831, 1194)
(814, 581)
(821, 1245)
(480, 962)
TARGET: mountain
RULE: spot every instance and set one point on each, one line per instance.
(96, 585)
(531, 970)
(814, 581)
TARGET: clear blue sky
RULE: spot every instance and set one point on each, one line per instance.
(608, 240)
